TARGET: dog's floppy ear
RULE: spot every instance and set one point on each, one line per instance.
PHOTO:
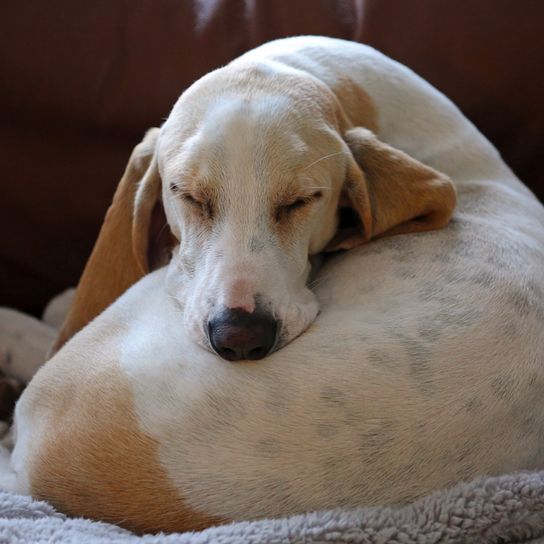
(129, 243)
(388, 192)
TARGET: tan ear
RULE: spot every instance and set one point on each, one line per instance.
(120, 255)
(390, 192)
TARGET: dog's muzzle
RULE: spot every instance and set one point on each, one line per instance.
(237, 335)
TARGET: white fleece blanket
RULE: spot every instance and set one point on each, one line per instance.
(487, 510)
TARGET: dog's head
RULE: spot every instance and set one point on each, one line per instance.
(256, 171)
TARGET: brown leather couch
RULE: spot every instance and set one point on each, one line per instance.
(81, 81)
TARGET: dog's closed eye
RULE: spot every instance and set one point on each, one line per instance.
(199, 204)
(203, 206)
(174, 188)
(284, 210)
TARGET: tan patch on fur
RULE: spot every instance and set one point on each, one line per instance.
(392, 192)
(357, 104)
(97, 463)
(344, 106)
(286, 227)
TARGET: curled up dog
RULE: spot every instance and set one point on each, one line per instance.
(253, 167)
(300, 147)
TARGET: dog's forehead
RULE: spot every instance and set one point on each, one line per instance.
(245, 132)
(259, 125)
(270, 93)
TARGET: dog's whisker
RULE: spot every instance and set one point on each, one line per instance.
(316, 187)
(326, 157)
(163, 228)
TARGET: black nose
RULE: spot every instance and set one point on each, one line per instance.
(236, 334)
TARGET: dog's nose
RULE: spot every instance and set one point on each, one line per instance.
(237, 335)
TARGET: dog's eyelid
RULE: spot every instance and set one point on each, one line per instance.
(305, 199)
(204, 206)
(285, 209)
(298, 203)
(190, 198)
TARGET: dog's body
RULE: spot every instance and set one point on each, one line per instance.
(423, 368)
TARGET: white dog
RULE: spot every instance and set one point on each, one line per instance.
(423, 368)
(252, 166)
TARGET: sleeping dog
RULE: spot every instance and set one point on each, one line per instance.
(422, 368)
(251, 167)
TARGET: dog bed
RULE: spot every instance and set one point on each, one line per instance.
(503, 509)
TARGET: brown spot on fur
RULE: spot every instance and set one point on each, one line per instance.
(357, 104)
(286, 226)
(391, 192)
(97, 463)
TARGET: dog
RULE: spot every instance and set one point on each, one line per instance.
(251, 167)
(406, 364)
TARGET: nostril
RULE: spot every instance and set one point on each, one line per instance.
(256, 353)
(228, 354)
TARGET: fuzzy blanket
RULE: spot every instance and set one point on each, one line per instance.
(488, 510)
